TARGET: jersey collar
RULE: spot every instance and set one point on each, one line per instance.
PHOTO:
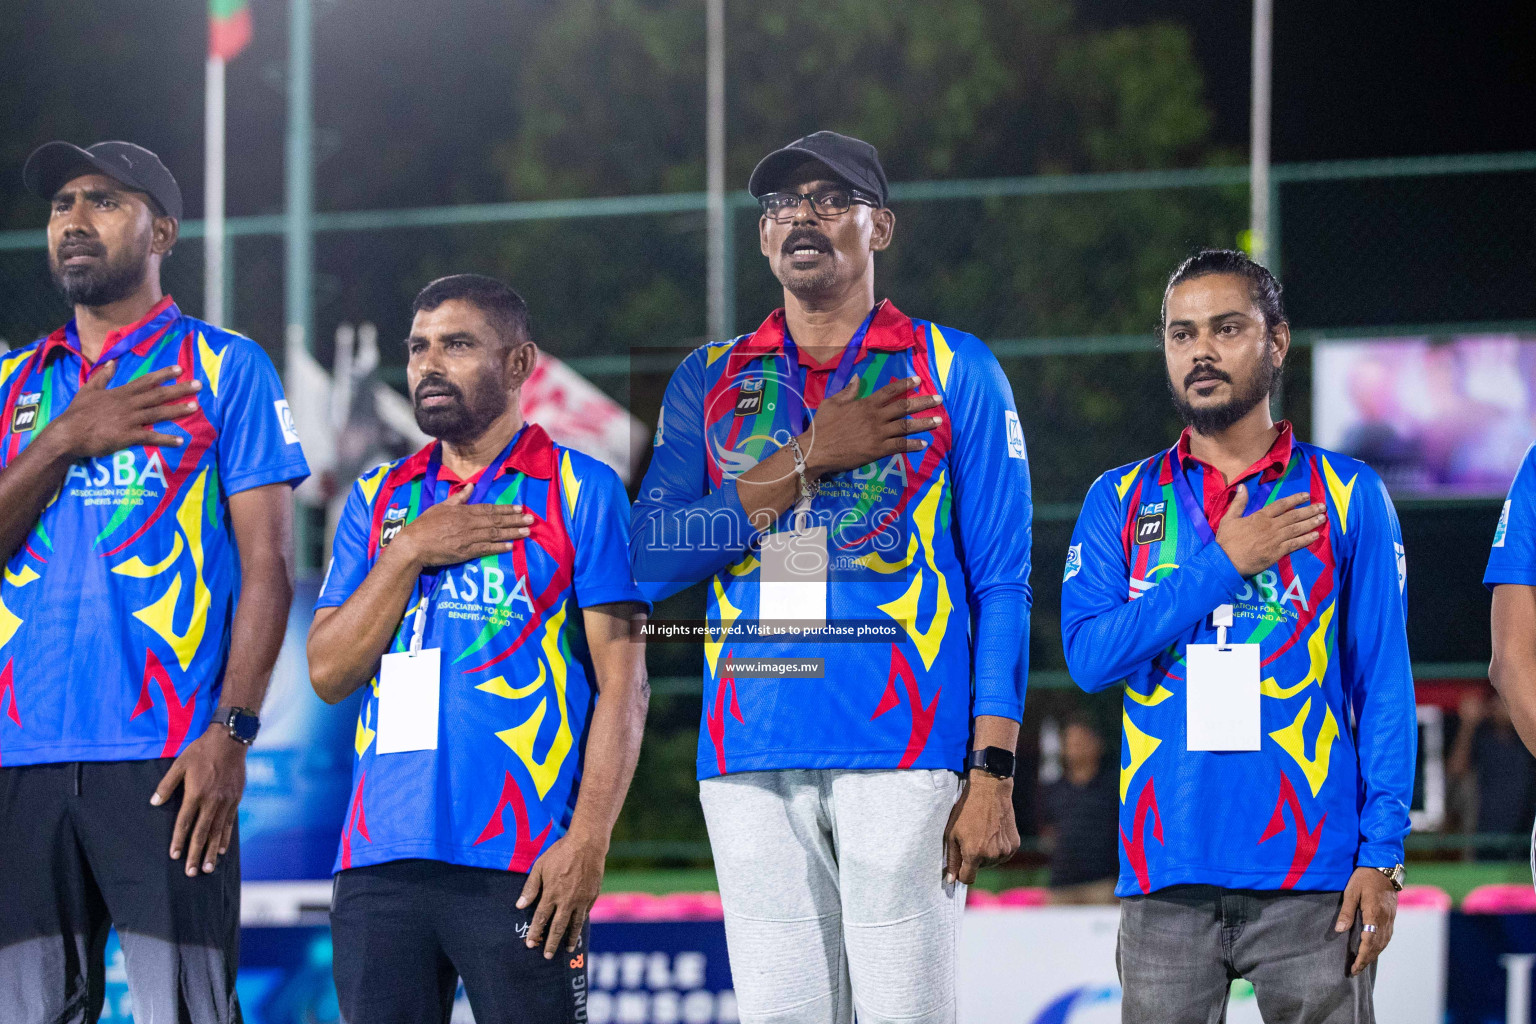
(1270, 467)
(533, 455)
(891, 330)
(143, 333)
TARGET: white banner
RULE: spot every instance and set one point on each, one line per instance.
(1056, 965)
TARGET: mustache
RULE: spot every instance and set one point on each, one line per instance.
(432, 386)
(1205, 373)
(803, 235)
(78, 247)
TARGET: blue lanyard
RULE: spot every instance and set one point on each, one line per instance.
(1194, 511)
(431, 578)
(794, 399)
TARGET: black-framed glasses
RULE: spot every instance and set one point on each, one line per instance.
(827, 202)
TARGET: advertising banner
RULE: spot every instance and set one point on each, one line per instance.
(1056, 965)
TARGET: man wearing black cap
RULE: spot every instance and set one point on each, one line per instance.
(853, 483)
(145, 466)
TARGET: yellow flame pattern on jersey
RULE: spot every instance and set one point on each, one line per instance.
(1140, 746)
(10, 622)
(1292, 740)
(160, 616)
(521, 738)
(1317, 650)
(943, 354)
(1340, 490)
(729, 613)
(904, 608)
(212, 362)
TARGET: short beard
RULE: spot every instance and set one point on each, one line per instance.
(101, 285)
(1209, 420)
(466, 419)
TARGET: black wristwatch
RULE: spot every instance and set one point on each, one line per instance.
(995, 761)
(243, 725)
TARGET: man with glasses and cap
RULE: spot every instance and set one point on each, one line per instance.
(146, 460)
(846, 467)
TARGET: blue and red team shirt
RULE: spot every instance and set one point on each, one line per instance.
(517, 679)
(1331, 784)
(1513, 557)
(936, 541)
(115, 615)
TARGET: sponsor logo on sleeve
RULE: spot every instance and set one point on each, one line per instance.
(1074, 562)
(1498, 535)
(1150, 527)
(1402, 568)
(285, 420)
(394, 521)
(660, 438)
(1015, 434)
(24, 418)
(749, 400)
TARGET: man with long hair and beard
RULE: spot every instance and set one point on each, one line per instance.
(1247, 589)
(146, 460)
(481, 592)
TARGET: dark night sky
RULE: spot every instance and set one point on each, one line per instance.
(1365, 79)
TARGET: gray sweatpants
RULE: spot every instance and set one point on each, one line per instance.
(1181, 947)
(832, 882)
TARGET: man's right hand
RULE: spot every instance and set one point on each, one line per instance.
(849, 431)
(453, 532)
(1256, 542)
(100, 421)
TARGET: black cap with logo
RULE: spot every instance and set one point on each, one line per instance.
(53, 164)
(855, 161)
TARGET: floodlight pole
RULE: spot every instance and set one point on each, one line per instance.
(720, 312)
(1258, 162)
(299, 262)
(213, 193)
(299, 265)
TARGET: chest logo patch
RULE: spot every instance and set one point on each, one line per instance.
(394, 522)
(24, 417)
(1150, 528)
(749, 400)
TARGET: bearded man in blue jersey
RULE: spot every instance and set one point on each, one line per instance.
(1248, 591)
(846, 463)
(480, 593)
(146, 460)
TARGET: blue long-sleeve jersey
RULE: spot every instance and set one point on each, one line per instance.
(1330, 787)
(935, 541)
(1512, 558)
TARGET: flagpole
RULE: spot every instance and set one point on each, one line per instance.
(213, 192)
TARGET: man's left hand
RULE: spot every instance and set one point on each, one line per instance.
(212, 770)
(1371, 893)
(563, 882)
(981, 830)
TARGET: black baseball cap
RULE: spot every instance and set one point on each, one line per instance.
(53, 164)
(853, 160)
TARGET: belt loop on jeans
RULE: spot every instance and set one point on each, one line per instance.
(79, 768)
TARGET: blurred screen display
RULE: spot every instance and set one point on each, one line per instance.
(1433, 416)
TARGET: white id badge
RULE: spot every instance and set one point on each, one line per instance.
(793, 583)
(1222, 697)
(408, 697)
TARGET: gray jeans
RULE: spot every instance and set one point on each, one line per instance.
(1181, 947)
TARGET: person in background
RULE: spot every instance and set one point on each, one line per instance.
(1082, 820)
(1489, 760)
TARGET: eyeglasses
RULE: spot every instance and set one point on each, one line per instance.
(827, 202)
